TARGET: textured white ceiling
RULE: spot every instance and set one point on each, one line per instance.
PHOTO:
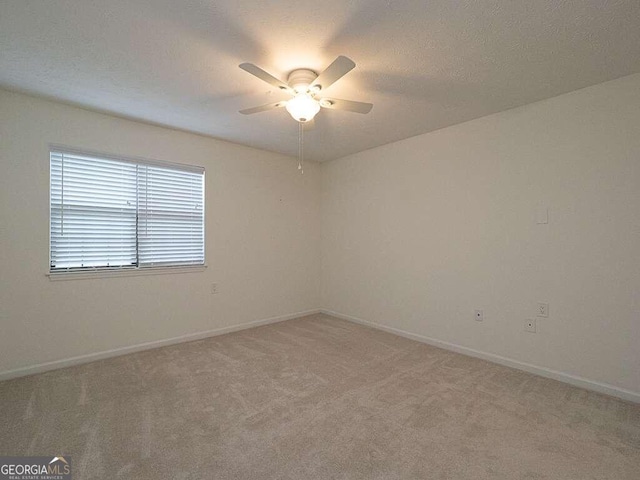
(423, 64)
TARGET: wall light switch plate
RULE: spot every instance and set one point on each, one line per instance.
(542, 215)
(530, 325)
(543, 310)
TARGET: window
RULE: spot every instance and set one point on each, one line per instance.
(113, 214)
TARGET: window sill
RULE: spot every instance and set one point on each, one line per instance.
(131, 272)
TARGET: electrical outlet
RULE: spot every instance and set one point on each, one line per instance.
(530, 325)
(543, 310)
(214, 289)
(479, 316)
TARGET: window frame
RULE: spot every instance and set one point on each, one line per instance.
(124, 270)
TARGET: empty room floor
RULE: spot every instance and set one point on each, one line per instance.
(316, 398)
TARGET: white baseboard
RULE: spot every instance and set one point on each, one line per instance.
(190, 337)
(527, 367)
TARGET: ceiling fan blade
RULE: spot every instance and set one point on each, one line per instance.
(267, 77)
(334, 72)
(263, 108)
(348, 105)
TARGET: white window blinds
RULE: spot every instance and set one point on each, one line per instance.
(170, 216)
(116, 214)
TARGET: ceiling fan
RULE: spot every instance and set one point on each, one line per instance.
(305, 86)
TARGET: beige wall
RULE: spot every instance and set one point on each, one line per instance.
(262, 247)
(419, 233)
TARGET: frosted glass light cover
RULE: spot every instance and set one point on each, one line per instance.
(303, 107)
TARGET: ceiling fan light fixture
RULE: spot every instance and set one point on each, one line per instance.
(303, 107)
(304, 85)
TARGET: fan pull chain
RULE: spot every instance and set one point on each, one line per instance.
(300, 147)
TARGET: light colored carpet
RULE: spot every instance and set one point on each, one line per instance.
(316, 398)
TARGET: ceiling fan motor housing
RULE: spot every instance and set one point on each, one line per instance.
(300, 79)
